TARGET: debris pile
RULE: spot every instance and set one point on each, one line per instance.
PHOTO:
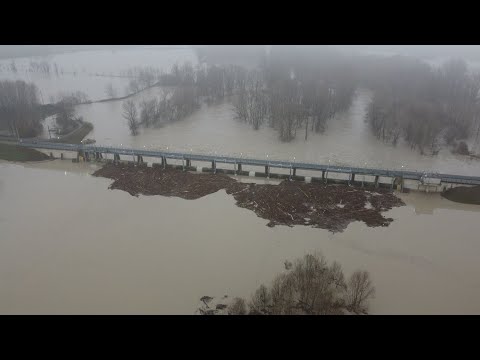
(330, 207)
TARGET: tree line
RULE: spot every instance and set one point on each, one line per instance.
(284, 98)
(20, 111)
(424, 106)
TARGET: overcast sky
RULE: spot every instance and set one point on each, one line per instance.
(469, 52)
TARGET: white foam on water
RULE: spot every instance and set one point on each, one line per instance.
(199, 169)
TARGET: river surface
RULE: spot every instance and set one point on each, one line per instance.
(68, 245)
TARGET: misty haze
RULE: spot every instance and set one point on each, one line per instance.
(235, 179)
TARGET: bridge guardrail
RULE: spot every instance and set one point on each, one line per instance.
(412, 175)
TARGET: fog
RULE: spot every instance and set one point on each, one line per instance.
(69, 244)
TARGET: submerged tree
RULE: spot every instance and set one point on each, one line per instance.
(19, 108)
(311, 287)
(130, 114)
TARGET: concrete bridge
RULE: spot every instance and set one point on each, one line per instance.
(96, 152)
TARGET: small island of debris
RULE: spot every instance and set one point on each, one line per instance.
(330, 207)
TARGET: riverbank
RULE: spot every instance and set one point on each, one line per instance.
(17, 153)
(463, 194)
(331, 207)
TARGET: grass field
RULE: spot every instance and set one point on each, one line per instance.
(21, 154)
(76, 136)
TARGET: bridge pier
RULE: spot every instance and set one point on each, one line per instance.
(61, 156)
(164, 162)
(294, 172)
(139, 159)
(214, 166)
(116, 158)
(353, 178)
(267, 171)
(239, 167)
(377, 177)
(323, 175)
(188, 163)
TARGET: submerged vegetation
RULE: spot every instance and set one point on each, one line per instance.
(298, 90)
(309, 286)
(20, 111)
(423, 106)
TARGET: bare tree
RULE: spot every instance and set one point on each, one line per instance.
(312, 287)
(19, 108)
(237, 307)
(130, 114)
(359, 291)
(148, 112)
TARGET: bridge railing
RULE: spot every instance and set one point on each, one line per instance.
(413, 175)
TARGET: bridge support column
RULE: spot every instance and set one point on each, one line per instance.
(188, 162)
(267, 171)
(323, 175)
(116, 158)
(61, 156)
(239, 167)
(353, 177)
(139, 159)
(376, 181)
(164, 162)
(214, 166)
(294, 173)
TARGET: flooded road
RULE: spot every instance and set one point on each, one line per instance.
(68, 245)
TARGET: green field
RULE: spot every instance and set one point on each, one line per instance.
(21, 154)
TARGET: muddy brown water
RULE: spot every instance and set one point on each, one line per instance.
(68, 245)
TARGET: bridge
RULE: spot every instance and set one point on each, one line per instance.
(96, 152)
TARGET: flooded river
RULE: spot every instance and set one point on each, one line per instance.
(68, 245)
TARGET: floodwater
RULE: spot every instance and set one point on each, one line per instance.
(91, 71)
(68, 245)
(214, 129)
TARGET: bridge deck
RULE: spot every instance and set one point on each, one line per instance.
(412, 175)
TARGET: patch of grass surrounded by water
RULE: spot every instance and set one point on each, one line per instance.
(76, 136)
